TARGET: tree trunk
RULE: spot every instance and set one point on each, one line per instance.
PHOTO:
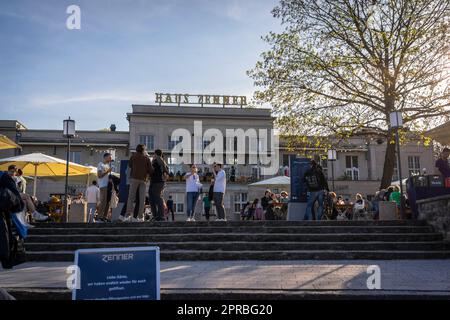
(389, 161)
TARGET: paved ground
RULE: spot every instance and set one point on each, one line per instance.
(399, 275)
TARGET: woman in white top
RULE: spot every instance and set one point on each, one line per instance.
(193, 186)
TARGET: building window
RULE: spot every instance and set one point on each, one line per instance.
(75, 157)
(286, 159)
(240, 200)
(414, 165)
(352, 167)
(172, 143)
(148, 141)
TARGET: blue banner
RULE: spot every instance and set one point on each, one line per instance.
(118, 274)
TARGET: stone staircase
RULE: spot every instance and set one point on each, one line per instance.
(245, 240)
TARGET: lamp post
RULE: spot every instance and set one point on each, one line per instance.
(68, 132)
(396, 121)
(332, 156)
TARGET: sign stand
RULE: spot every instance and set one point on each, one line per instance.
(299, 193)
(117, 274)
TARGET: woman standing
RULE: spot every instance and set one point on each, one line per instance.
(193, 186)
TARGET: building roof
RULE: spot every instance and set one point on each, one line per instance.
(201, 112)
(83, 137)
(441, 134)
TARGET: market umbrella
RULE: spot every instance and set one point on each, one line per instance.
(41, 165)
(7, 143)
(280, 180)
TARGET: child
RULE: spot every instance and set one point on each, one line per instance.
(259, 212)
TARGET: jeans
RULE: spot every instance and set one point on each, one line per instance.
(91, 208)
(191, 201)
(313, 197)
(218, 202)
(155, 193)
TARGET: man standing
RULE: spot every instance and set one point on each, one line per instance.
(157, 185)
(316, 184)
(93, 198)
(140, 169)
(169, 204)
(103, 172)
(442, 163)
(220, 183)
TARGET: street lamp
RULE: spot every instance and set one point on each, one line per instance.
(332, 156)
(396, 121)
(68, 132)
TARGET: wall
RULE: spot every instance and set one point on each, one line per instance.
(436, 211)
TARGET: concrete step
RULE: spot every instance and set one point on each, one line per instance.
(196, 255)
(240, 245)
(248, 295)
(229, 229)
(236, 223)
(247, 237)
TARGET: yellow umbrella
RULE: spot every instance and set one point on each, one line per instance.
(7, 143)
(41, 165)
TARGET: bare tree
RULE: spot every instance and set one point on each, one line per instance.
(343, 65)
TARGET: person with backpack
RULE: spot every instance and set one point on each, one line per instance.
(316, 183)
(10, 203)
(157, 185)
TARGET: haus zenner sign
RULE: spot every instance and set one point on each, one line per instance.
(200, 99)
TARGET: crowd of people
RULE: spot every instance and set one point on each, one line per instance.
(149, 204)
(270, 207)
(323, 204)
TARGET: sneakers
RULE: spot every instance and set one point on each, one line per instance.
(133, 219)
(188, 220)
(123, 218)
(39, 217)
(221, 220)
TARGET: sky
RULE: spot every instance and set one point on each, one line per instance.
(125, 52)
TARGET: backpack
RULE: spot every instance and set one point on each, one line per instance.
(312, 179)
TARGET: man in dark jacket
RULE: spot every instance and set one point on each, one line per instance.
(316, 184)
(157, 185)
